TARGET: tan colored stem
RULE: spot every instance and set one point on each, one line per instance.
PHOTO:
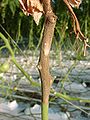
(43, 65)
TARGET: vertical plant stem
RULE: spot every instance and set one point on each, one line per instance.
(44, 111)
(43, 64)
(31, 45)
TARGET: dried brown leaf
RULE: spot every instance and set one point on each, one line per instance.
(33, 8)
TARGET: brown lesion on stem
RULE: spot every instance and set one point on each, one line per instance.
(43, 64)
(76, 26)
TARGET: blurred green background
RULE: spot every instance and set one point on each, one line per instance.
(27, 34)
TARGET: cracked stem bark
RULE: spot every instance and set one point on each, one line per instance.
(43, 64)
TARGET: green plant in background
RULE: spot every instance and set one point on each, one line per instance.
(28, 38)
(14, 21)
(4, 67)
(65, 97)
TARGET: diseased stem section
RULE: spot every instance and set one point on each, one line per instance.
(46, 78)
(43, 64)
